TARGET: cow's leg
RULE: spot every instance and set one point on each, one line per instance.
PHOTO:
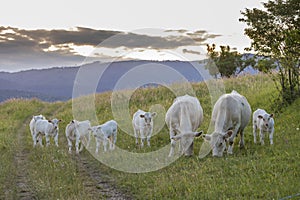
(136, 136)
(231, 139)
(40, 140)
(69, 144)
(143, 138)
(110, 142)
(261, 135)
(98, 141)
(47, 139)
(114, 140)
(173, 142)
(77, 144)
(271, 136)
(254, 132)
(105, 140)
(81, 146)
(56, 140)
(88, 138)
(242, 141)
(34, 138)
(149, 137)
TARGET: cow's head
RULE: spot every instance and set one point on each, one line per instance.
(55, 122)
(148, 117)
(218, 142)
(187, 141)
(266, 119)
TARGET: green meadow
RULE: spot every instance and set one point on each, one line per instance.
(255, 172)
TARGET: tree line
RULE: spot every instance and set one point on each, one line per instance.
(275, 39)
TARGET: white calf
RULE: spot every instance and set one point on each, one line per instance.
(47, 128)
(142, 123)
(32, 125)
(78, 130)
(265, 123)
(106, 132)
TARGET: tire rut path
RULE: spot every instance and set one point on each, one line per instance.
(24, 189)
(96, 184)
(103, 184)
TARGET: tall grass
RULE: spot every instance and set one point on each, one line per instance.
(255, 172)
(13, 114)
(51, 172)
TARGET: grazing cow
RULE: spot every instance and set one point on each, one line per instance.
(32, 125)
(183, 118)
(142, 123)
(47, 128)
(106, 132)
(265, 123)
(230, 116)
(78, 130)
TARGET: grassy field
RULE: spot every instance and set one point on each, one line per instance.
(256, 172)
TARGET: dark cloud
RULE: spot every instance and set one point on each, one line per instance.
(177, 31)
(191, 51)
(55, 47)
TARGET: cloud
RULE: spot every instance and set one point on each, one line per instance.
(30, 48)
(191, 51)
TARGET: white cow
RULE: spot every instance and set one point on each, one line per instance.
(78, 130)
(142, 123)
(230, 116)
(32, 125)
(104, 133)
(47, 128)
(265, 123)
(183, 118)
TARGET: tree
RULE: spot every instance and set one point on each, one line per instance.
(226, 62)
(275, 34)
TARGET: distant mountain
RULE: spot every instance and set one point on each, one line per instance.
(57, 83)
(9, 94)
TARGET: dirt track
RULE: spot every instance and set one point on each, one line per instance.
(97, 185)
(24, 191)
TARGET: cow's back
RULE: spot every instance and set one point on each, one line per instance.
(82, 126)
(185, 113)
(245, 108)
(109, 127)
(229, 110)
(42, 126)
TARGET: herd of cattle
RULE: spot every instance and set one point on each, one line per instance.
(230, 115)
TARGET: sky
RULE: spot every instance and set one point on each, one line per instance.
(43, 34)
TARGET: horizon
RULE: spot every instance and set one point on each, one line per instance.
(177, 32)
(90, 63)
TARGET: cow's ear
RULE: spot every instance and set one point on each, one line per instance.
(228, 134)
(59, 120)
(49, 121)
(197, 134)
(272, 115)
(260, 117)
(142, 116)
(206, 137)
(153, 114)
